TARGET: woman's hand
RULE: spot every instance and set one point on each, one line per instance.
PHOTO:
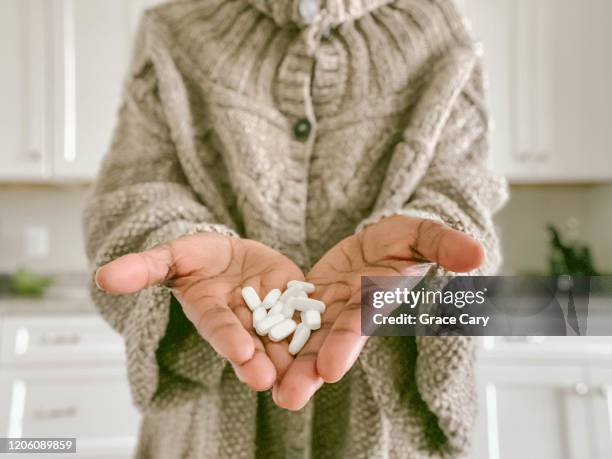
(388, 248)
(207, 272)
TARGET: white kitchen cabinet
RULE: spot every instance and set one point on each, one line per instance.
(90, 404)
(66, 341)
(533, 410)
(65, 64)
(550, 65)
(65, 376)
(91, 54)
(544, 397)
(490, 19)
(601, 384)
(24, 142)
(93, 45)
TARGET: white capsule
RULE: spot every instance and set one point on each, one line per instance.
(288, 310)
(305, 286)
(259, 314)
(281, 330)
(251, 298)
(300, 338)
(271, 298)
(311, 318)
(290, 293)
(304, 304)
(264, 326)
(276, 309)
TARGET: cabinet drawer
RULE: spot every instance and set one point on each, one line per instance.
(549, 347)
(93, 406)
(53, 340)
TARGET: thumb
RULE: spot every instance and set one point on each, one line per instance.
(451, 249)
(133, 272)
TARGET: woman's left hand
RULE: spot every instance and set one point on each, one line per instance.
(388, 248)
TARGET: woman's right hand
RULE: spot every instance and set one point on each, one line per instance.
(206, 273)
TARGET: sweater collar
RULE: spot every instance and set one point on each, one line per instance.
(305, 12)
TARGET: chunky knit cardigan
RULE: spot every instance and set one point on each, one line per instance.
(246, 118)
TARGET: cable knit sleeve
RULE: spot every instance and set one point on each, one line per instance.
(458, 186)
(460, 190)
(141, 199)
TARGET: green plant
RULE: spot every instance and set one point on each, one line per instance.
(27, 283)
(569, 257)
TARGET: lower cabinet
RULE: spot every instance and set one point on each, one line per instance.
(66, 377)
(544, 409)
(601, 407)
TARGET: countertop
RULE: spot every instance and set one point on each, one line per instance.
(69, 294)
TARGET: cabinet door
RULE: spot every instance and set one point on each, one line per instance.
(92, 41)
(91, 405)
(550, 66)
(24, 33)
(601, 380)
(492, 27)
(563, 74)
(532, 410)
(56, 342)
(92, 48)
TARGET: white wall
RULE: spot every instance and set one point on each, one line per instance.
(59, 210)
(521, 223)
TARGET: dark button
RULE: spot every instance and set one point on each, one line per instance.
(301, 129)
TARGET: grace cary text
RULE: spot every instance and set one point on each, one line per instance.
(427, 319)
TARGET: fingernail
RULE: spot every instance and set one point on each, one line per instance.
(275, 394)
(96, 279)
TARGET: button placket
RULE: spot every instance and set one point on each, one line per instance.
(294, 96)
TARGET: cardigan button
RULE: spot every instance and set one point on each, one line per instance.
(309, 10)
(302, 129)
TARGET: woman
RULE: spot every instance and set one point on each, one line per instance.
(265, 141)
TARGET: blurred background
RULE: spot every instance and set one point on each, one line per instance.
(549, 66)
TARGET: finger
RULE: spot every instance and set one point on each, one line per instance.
(221, 328)
(258, 373)
(279, 355)
(133, 272)
(451, 249)
(342, 345)
(301, 380)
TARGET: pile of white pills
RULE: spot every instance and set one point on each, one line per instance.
(274, 315)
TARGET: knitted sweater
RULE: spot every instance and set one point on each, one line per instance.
(247, 118)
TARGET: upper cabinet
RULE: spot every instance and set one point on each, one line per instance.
(64, 67)
(91, 44)
(550, 65)
(24, 141)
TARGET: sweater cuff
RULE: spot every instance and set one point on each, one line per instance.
(406, 212)
(178, 229)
